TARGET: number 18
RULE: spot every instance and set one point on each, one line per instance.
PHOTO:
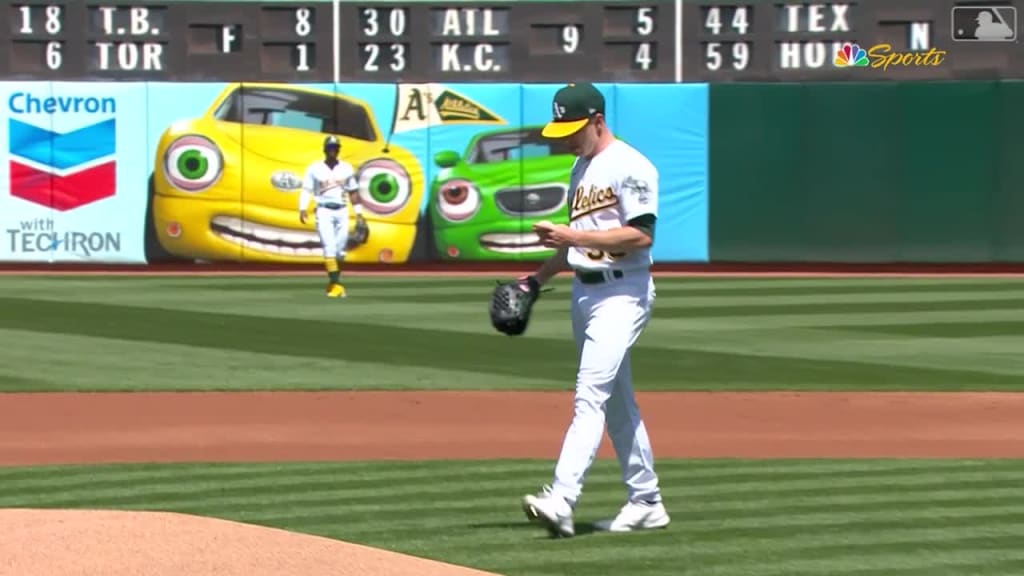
(53, 14)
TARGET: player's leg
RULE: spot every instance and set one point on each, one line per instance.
(610, 326)
(644, 507)
(325, 227)
(341, 233)
(549, 508)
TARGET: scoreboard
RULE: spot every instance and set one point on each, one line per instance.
(520, 41)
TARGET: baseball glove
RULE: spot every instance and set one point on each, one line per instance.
(359, 234)
(512, 304)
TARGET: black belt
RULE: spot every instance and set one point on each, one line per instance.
(597, 276)
(332, 206)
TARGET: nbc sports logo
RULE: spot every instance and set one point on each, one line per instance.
(61, 170)
(850, 55)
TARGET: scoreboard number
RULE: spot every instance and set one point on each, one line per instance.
(52, 24)
(302, 24)
(53, 55)
(372, 52)
(570, 38)
(396, 21)
(713, 20)
(740, 52)
(644, 21)
(303, 28)
(643, 57)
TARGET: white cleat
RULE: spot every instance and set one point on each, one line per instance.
(636, 516)
(551, 511)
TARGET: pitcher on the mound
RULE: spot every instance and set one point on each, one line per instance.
(613, 206)
(332, 184)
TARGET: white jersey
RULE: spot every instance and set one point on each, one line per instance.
(327, 185)
(607, 191)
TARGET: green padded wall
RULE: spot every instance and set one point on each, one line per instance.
(872, 172)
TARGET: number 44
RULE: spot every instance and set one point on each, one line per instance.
(713, 21)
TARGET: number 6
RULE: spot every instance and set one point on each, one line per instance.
(53, 56)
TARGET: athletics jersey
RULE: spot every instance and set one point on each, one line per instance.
(606, 192)
(327, 185)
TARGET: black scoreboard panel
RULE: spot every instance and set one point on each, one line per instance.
(511, 41)
(325, 41)
(531, 41)
(797, 41)
(174, 41)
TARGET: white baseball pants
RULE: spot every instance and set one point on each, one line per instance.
(332, 226)
(607, 319)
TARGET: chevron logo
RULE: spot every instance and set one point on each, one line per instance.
(63, 171)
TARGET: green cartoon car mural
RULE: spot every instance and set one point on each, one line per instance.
(483, 205)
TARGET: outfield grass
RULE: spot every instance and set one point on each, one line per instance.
(192, 333)
(731, 517)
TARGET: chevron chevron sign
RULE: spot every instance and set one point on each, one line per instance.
(63, 171)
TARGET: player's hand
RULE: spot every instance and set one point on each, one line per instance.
(555, 235)
(302, 216)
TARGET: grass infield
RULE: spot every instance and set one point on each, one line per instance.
(216, 333)
(730, 517)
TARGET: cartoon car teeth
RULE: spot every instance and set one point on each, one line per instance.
(266, 238)
(225, 185)
(483, 204)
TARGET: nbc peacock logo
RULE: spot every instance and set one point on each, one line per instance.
(850, 55)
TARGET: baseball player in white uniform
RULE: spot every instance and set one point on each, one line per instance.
(613, 208)
(332, 184)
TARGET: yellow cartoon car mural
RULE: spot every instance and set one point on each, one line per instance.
(225, 185)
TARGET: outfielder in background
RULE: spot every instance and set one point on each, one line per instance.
(612, 214)
(332, 184)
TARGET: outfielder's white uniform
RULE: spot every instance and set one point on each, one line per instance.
(608, 317)
(329, 187)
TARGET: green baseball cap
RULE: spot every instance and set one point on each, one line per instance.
(572, 108)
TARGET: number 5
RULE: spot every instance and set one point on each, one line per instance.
(644, 21)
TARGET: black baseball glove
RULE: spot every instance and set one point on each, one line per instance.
(512, 304)
(359, 234)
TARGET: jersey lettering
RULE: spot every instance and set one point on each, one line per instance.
(584, 203)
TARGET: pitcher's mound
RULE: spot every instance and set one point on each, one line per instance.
(113, 543)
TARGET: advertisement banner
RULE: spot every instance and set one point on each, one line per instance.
(209, 172)
(72, 172)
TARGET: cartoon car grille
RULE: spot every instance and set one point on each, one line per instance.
(531, 200)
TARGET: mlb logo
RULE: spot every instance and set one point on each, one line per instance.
(62, 171)
(984, 23)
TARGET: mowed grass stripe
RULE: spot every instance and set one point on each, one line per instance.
(478, 523)
(782, 309)
(549, 358)
(314, 489)
(696, 473)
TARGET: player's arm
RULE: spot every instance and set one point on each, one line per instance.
(637, 233)
(306, 193)
(351, 188)
(552, 266)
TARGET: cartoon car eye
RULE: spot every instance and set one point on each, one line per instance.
(383, 186)
(193, 163)
(458, 200)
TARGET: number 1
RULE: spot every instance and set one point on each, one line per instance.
(26, 20)
(303, 58)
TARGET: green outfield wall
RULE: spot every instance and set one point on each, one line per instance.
(874, 172)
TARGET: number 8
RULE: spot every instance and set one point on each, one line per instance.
(302, 27)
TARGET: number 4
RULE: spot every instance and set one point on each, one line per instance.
(643, 56)
(739, 20)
